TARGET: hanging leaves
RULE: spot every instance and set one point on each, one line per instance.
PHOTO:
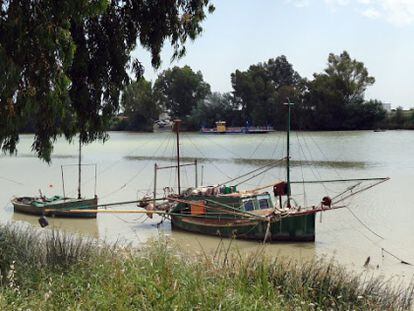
(63, 63)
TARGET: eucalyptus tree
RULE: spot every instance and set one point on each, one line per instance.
(335, 98)
(261, 91)
(63, 63)
(179, 89)
(139, 105)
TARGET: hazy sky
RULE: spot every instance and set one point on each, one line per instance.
(239, 33)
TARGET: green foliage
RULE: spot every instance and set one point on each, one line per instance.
(400, 119)
(139, 106)
(214, 108)
(64, 63)
(397, 118)
(335, 98)
(78, 274)
(178, 90)
(262, 90)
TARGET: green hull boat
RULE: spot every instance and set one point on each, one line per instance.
(292, 229)
(223, 211)
(242, 216)
(55, 206)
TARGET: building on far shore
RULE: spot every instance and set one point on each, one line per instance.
(387, 107)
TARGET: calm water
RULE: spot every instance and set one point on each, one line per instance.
(125, 172)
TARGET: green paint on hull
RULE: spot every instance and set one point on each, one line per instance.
(60, 208)
(299, 228)
(292, 228)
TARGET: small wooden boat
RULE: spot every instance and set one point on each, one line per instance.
(60, 206)
(55, 206)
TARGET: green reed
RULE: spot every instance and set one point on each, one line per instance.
(43, 269)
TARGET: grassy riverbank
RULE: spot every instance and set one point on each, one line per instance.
(52, 271)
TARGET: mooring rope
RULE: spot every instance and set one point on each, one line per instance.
(364, 224)
(398, 258)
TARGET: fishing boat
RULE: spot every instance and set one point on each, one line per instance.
(256, 214)
(56, 206)
(60, 206)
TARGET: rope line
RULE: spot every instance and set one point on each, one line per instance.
(211, 162)
(135, 175)
(364, 224)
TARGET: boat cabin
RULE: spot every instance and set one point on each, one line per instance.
(221, 126)
(258, 202)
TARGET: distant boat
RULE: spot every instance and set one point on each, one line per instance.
(221, 128)
(379, 130)
(162, 125)
(59, 206)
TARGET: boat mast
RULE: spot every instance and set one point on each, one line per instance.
(79, 168)
(177, 131)
(289, 104)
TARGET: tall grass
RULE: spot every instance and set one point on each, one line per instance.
(57, 271)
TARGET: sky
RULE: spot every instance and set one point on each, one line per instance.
(380, 33)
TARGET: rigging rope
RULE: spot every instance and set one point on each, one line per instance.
(12, 181)
(211, 162)
(303, 177)
(254, 176)
(272, 156)
(113, 164)
(253, 153)
(135, 175)
(364, 224)
(271, 164)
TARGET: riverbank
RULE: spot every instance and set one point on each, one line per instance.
(51, 270)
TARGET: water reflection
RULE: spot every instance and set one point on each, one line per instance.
(86, 227)
(259, 162)
(211, 245)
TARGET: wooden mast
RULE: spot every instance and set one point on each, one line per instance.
(79, 168)
(177, 123)
(288, 155)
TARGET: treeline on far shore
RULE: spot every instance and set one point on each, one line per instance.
(332, 100)
(398, 119)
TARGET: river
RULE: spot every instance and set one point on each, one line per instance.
(380, 218)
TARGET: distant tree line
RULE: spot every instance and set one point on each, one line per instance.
(399, 119)
(331, 100)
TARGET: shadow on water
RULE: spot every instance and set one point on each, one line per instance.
(192, 242)
(88, 227)
(29, 156)
(259, 162)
